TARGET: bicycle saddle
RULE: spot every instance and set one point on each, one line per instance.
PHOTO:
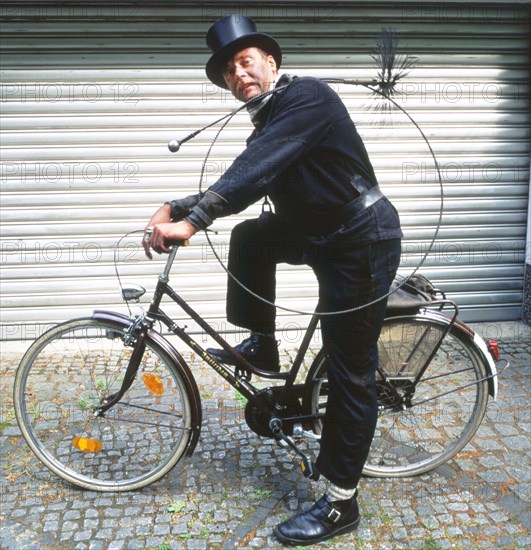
(413, 294)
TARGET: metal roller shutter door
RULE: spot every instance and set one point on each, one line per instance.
(91, 95)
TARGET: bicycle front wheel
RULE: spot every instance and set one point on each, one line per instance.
(439, 414)
(64, 378)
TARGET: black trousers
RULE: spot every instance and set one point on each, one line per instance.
(349, 275)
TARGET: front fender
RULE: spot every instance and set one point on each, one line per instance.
(183, 368)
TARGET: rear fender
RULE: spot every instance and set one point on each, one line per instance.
(483, 352)
(184, 370)
(489, 364)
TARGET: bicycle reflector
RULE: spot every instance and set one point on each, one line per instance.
(87, 444)
(494, 349)
(153, 383)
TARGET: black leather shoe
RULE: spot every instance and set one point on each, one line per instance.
(260, 351)
(324, 520)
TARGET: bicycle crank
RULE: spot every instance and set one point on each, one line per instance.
(260, 408)
(308, 467)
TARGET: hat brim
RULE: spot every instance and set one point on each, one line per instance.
(216, 64)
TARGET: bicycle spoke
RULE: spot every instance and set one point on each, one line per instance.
(151, 409)
(453, 373)
(158, 424)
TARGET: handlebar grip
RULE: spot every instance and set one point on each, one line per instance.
(177, 243)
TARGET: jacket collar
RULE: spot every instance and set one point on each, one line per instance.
(260, 112)
(255, 107)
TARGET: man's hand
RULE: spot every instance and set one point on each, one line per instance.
(164, 231)
(162, 215)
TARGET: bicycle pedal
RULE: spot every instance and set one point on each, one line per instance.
(309, 470)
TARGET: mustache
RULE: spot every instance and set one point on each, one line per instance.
(244, 85)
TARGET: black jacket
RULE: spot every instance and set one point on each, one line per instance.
(307, 156)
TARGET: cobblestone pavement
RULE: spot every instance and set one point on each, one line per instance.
(237, 485)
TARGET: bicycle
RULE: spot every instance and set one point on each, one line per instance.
(107, 403)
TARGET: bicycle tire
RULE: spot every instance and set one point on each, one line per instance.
(63, 378)
(434, 427)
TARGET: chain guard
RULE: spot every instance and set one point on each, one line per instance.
(259, 411)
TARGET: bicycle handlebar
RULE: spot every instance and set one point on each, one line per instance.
(177, 243)
(169, 242)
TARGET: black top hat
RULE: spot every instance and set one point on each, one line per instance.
(230, 35)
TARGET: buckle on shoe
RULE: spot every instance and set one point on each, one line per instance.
(334, 515)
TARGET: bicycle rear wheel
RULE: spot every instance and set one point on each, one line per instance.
(443, 410)
(65, 376)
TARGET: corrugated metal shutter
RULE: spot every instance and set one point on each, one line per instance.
(92, 93)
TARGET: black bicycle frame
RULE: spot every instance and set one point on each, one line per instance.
(240, 383)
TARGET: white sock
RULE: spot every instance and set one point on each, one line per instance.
(337, 493)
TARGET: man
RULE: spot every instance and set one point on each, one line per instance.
(306, 155)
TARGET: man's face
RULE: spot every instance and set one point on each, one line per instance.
(250, 73)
